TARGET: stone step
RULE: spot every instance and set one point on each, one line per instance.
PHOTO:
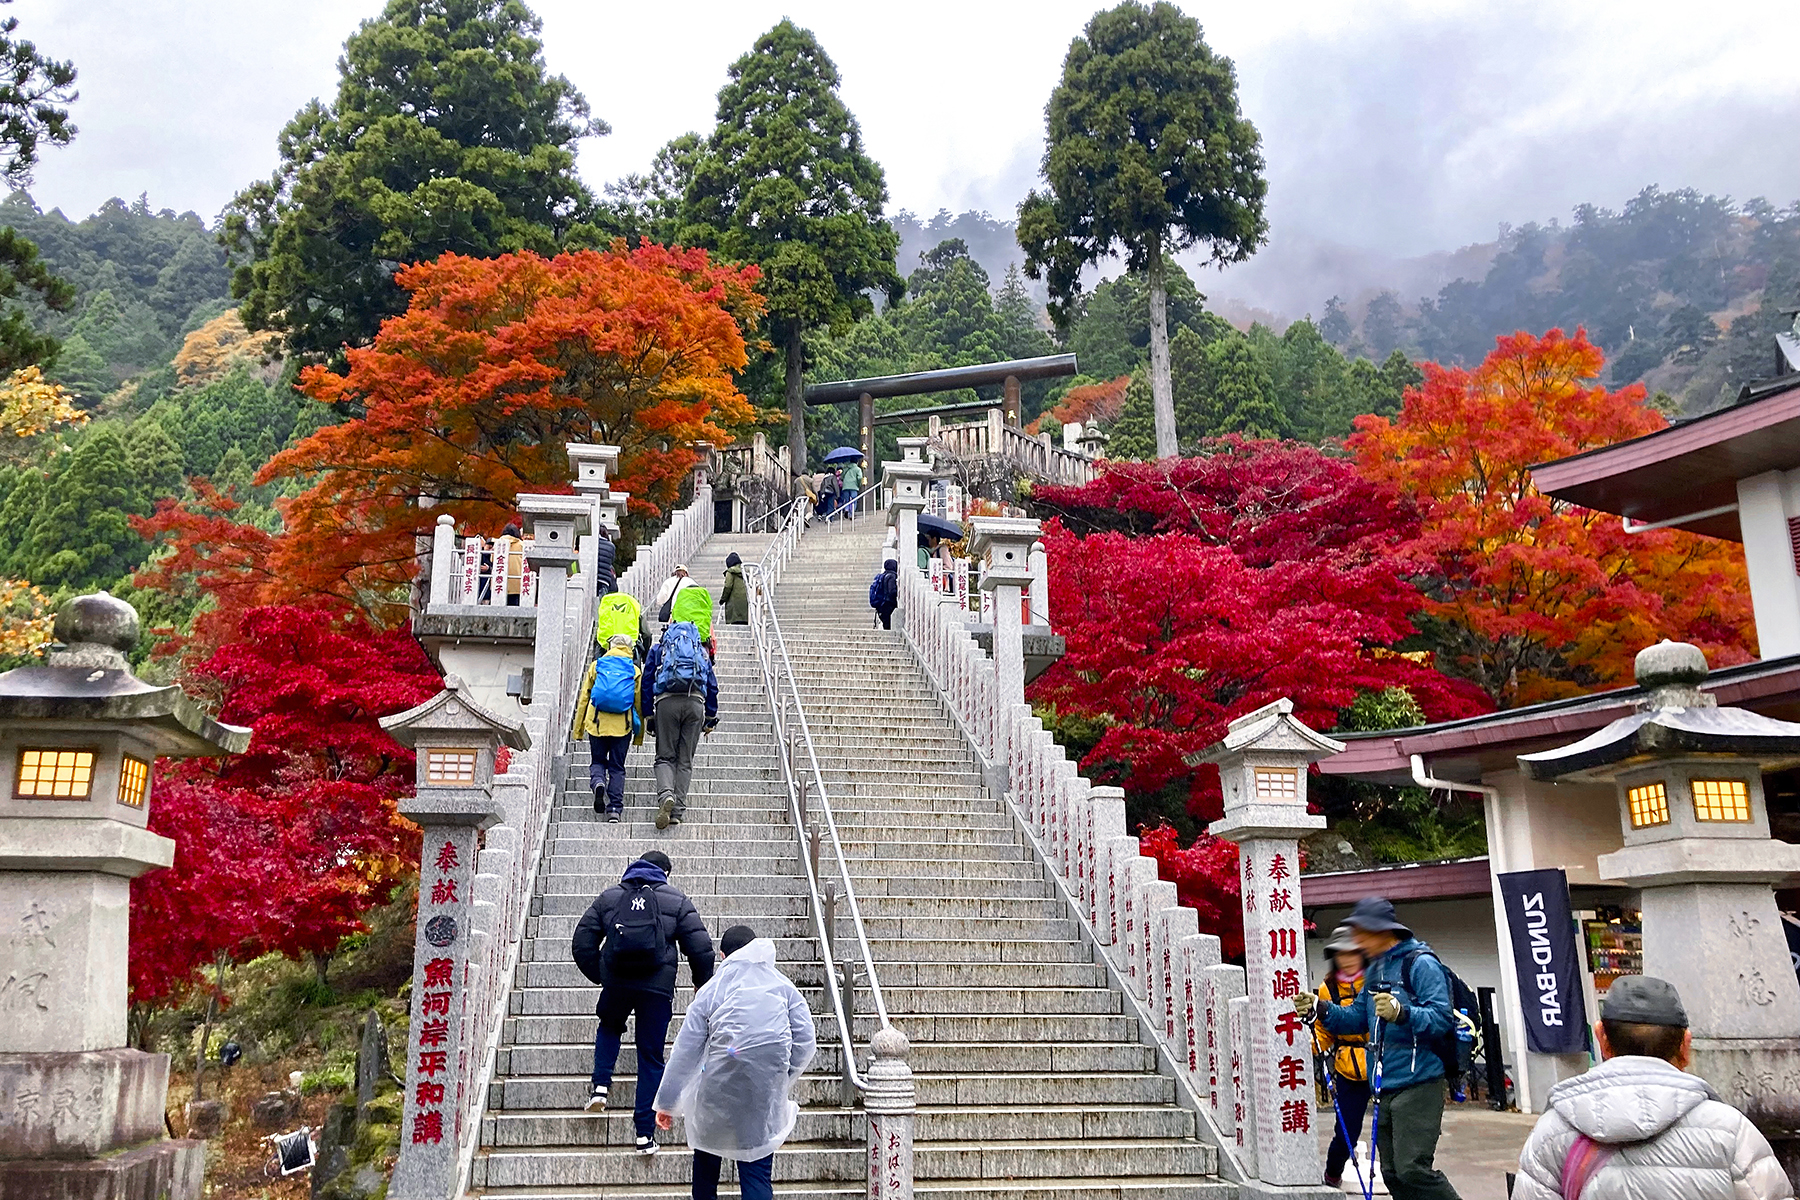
(1176, 1187)
(1082, 1027)
(537, 1001)
(810, 1161)
(613, 1128)
(1012, 929)
(700, 884)
(577, 1058)
(799, 947)
(567, 1093)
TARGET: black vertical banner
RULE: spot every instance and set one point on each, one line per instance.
(1544, 950)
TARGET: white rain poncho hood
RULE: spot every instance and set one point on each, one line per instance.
(746, 1037)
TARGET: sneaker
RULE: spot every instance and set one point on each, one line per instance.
(595, 1102)
(646, 1146)
(676, 816)
(665, 814)
(599, 799)
(613, 816)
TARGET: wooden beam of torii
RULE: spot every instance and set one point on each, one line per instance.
(1010, 374)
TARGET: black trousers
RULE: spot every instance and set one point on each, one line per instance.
(1353, 1103)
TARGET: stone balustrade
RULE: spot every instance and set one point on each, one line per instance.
(493, 879)
(1149, 941)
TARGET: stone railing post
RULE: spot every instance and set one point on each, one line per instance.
(1173, 925)
(1004, 544)
(1112, 853)
(1040, 585)
(1199, 952)
(1219, 987)
(890, 1103)
(1153, 898)
(1263, 762)
(443, 557)
(1243, 1085)
(454, 740)
(79, 741)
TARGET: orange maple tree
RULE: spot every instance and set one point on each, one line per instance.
(470, 397)
(1529, 597)
(1087, 402)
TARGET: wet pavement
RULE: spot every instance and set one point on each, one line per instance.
(1477, 1150)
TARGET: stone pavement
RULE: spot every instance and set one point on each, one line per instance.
(1479, 1147)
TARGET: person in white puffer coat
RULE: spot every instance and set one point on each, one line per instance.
(1638, 1126)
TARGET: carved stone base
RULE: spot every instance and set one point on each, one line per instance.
(158, 1171)
(82, 1104)
(1760, 1077)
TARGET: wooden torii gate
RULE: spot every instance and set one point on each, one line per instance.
(1009, 374)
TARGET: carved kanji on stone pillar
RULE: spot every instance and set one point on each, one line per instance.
(1263, 763)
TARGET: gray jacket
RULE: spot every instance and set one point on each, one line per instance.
(1669, 1132)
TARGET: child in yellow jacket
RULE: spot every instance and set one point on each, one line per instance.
(610, 734)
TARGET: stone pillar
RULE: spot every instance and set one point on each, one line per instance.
(1243, 1088)
(1154, 899)
(1198, 953)
(1766, 503)
(1139, 873)
(1115, 853)
(589, 466)
(1040, 585)
(1219, 987)
(1173, 926)
(1009, 389)
(454, 740)
(865, 427)
(1004, 544)
(908, 478)
(81, 1113)
(1106, 810)
(1263, 763)
(889, 1103)
(443, 549)
(554, 523)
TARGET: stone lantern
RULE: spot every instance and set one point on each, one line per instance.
(908, 479)
(80, 1113)
(455, 740)
(1688, 774)
(1093, 440)
(1263, 763)
(591, 465)
(1003, 544)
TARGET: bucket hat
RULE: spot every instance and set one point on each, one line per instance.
(1375, 914)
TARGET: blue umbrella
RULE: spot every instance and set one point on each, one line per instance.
(938, 527)
(844, 454)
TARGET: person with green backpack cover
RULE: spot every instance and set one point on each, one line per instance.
(617, 614)
(681, 694)
(607, 715)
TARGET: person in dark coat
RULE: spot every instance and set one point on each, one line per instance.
(630, 986)
(734, 598)
(606, 579)
(884, 593)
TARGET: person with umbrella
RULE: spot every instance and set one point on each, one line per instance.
(828, 493)
(849, 477)
(934, 533)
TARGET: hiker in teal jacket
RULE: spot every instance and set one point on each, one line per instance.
(1406, 993)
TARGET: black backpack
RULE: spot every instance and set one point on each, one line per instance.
(636, 944)
(884, 591)
(1461, 996)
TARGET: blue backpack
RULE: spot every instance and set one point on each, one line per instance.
(884, 591)
(683, 665)
(615, 684)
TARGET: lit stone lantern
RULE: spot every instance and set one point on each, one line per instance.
(455, 740)
(1696, 832)
(80, 1114)
(908, 478)
(1263, 763)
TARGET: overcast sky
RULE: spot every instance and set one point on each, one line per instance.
(1391, 129)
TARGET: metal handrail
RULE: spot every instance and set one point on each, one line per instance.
(771, 652)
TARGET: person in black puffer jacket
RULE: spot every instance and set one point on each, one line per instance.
(630, 942)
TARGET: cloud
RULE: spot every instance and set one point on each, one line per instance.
(1392, 129)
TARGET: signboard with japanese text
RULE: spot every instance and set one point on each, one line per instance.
(1280, 1072)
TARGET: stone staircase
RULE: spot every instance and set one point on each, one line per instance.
(1032, 1082)
(1031, 1078)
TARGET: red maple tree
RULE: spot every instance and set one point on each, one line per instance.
(1532, 598)
(283, 847)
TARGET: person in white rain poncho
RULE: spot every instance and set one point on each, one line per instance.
(746, 1037)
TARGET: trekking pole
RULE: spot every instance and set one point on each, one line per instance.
(1375, 1112)
(1367, 1189)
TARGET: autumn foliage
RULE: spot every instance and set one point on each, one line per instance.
(1529, 597)
(1086, 402)
(1276, 576)
(282, 848)
(470, 398)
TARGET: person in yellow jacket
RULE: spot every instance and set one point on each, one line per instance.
(609, 719)
(1346, 1054)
